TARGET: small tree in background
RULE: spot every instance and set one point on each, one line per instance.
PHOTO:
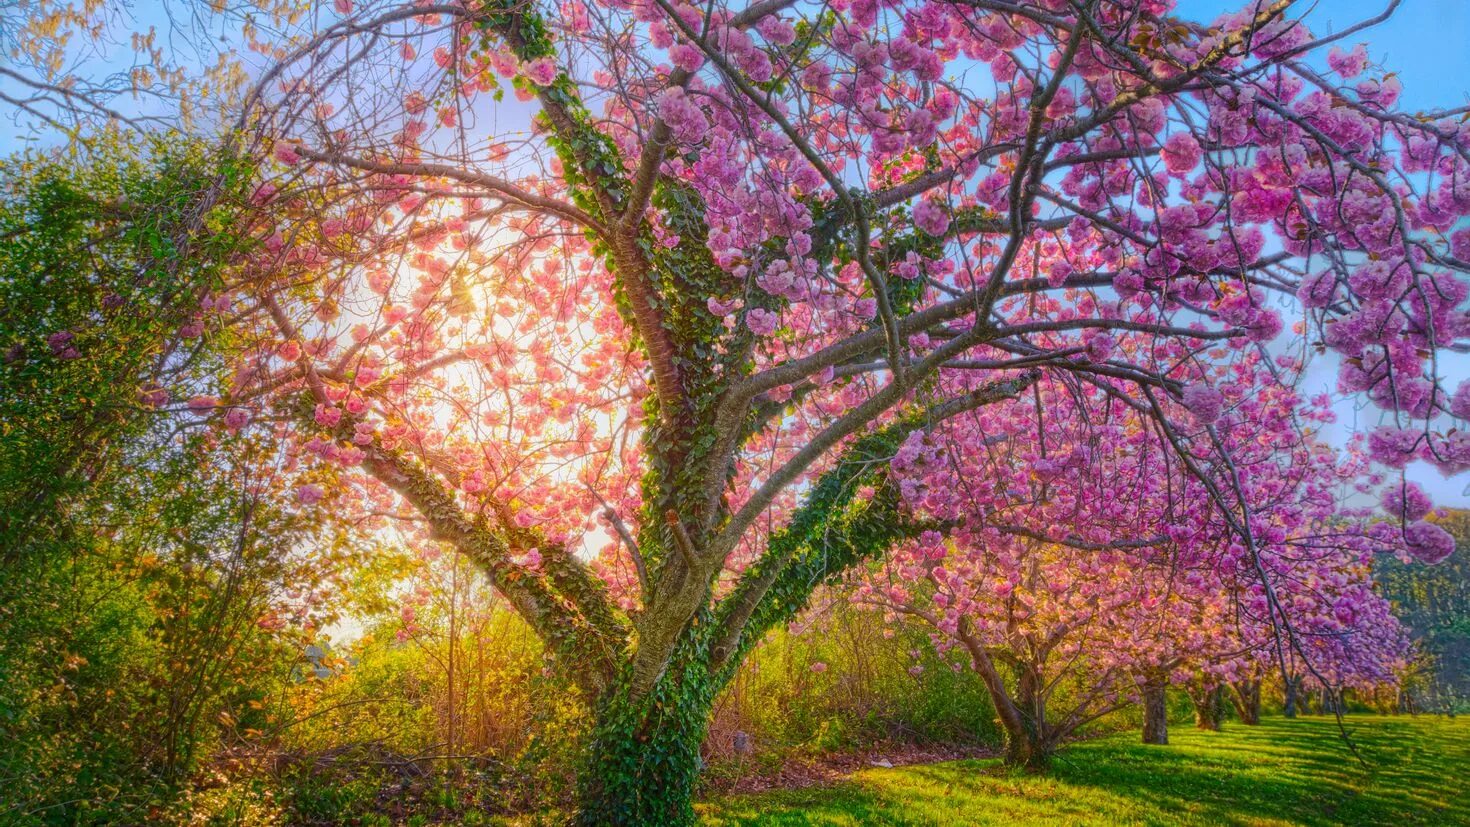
(1078, 556)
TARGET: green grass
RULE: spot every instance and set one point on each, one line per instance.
(1417, 771)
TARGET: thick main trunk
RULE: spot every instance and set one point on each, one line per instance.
(1029, 739)
(1026, 749)
(642, 759)
(1209, 704)
(1246, 695)
(1155, 712)
(1029, 742)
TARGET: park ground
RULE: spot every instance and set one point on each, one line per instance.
(1408, 770)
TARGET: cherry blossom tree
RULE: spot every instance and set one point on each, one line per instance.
(633, 303)
(1082, 556)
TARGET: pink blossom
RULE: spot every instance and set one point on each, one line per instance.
(327, 416)
(541, 71)
(1317, 290)
(1392, 446)
(1348, 65)
(1099, 347)
(931, 217)
(237, 418)
(154, 396)
(309, 494)
(686, 57)
(363, 433)
(61, 345)
(722, 308)
(1204, 402)
(1181, 153)
(684, 117)
(762, 322)
(1460, 402)
(1428, 542)
(287, 153)
(1406, 501)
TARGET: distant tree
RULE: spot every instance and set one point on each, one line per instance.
(1434, 604)
(1081, 569)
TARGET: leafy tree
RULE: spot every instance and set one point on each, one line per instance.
(104, 268)
(142, 555)
(1434, 603)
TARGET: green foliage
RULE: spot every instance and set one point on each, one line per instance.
(1434, 603)
(1281, 772)
(842, 681)
(390, 722)
(139, 555)
(133, 644)
(100, 266)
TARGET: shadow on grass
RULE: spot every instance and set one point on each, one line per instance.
(1283, 772)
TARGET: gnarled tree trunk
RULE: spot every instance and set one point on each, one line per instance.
(1246, 696)
(1209, 707)
(642, 758)
(1030, 740)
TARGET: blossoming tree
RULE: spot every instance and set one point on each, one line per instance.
(1082, 555)
(645, 362)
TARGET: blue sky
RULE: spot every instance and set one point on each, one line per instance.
(1425, 41)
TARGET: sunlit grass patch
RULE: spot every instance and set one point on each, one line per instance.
(1413, 771)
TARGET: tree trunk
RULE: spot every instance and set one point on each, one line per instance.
(1246, 695)
(1209, 704)
(1289, 710)
(642, 759)
(1155, 712)
(1023, 719)
(1028, 742)
(1026, 749)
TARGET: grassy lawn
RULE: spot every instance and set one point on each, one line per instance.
(1417, 771)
